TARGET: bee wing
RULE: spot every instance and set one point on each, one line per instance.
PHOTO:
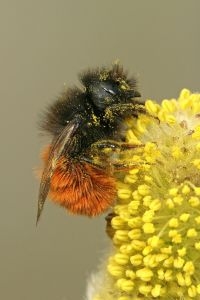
(59, 143)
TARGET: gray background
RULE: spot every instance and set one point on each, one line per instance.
(44, 43)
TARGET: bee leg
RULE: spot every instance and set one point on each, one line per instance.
(114, 145)
(118, 109)
(135, 109)
(126, 166)
(90, 161)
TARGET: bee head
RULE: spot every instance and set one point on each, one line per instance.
(106, 87)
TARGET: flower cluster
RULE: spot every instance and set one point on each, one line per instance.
(155, 223)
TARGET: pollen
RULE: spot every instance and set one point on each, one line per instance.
(152, 107)
(156, 220)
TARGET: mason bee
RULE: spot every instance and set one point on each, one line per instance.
(82, 123)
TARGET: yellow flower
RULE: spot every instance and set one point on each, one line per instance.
(156, 220)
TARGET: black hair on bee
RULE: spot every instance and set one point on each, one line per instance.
(81, 122)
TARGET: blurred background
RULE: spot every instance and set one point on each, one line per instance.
(44, 44)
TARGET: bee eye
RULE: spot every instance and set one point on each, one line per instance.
(111, 92)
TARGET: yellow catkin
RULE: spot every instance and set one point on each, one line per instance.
(155, 227)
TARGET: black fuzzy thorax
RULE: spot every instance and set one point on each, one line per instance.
(100, 108)
(94, 126)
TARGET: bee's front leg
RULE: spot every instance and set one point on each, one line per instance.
(120, 109)
(114, 145)
(119, 165)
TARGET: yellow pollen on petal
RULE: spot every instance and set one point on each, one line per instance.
(188, 280)
(189, 267)
(130, 178)
(143, 189)
(173, 191)
(177, 239)
(170, 204)
(154, 241)
(147, 179)
(150, 148)
(121, 298)
(147, 200)
(136, 260)
(181, 279)
(168, 262)
(184, 217)
(156, 291)
(118, 222)
(121, 259)
(192, 232)
(178, 262)
(197, 220)
(144, 274)
(122, 235)
(166, 250)
(138, 245)
(169, 106)
(168, 275)
(186, 189)
(136, 195)
(184, 99)
(115, 270)
(125, 285)
(197, 191)
(147, 250)
(130, 274)
(133, 205)
(172, 233)
(160, 257)
(196, 163)
(152, 107)
(124, 193)
(178, 200)
(176, 152)
(133, 171)
(148, 216)
(196, 133)
(173, 222)
(120, 209)
(198, 288)
(135, 222)
(182, 252)
(165, 117)
(148, 228)
(141, 126)
(126, 249)
(192, 292)
(194, 201)
(150, 261)
(198, 147)
(131, 137)
(196, 103)
(161, 274)
(135, 234)
(185, 94)
(145, 289)
(155, 205)
(197, 245)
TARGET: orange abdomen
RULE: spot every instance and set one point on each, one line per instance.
(82, 188)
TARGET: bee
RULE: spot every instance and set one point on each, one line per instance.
(82, 123)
